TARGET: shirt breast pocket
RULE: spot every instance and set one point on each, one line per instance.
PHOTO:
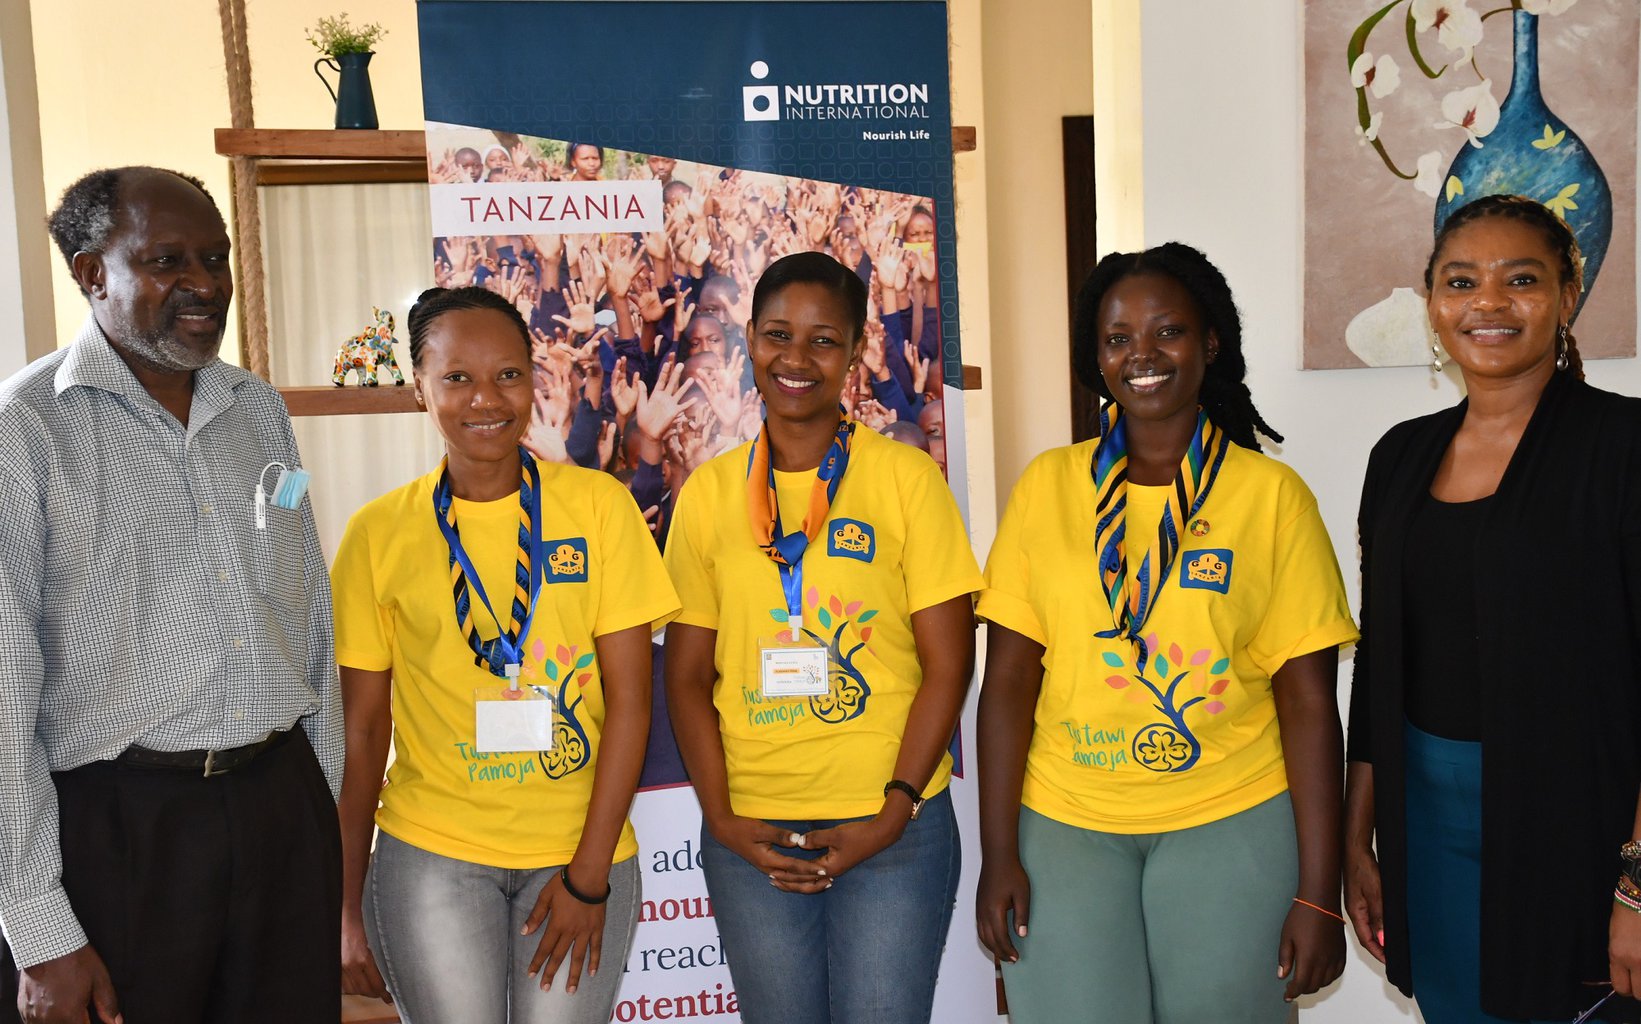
(278, 565)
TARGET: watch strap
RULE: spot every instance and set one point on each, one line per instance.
(910, 790)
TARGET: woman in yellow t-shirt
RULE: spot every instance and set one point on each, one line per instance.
(815, 675)
(493, 618)
(1164, 609)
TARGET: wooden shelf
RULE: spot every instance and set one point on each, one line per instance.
(353, 144)
(328, 400)
(321, 144)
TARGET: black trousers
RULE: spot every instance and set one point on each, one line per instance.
(216, 901)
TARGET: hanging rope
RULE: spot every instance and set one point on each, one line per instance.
(247, 205)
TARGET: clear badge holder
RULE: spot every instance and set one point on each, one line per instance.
(799, 667)
(510, 719)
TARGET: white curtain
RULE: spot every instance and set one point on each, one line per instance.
(333, 252)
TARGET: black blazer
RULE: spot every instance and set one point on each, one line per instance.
(1558, 605)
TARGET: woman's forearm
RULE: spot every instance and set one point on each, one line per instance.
(945, 645)
(1313, 747)
(1008, 703)
(691, 673)
(624, 666)
(368, 726)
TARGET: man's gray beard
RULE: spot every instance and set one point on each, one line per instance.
(160, 351)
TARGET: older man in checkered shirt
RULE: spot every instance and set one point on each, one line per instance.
(170, 725)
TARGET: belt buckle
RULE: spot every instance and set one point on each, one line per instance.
(210, 765)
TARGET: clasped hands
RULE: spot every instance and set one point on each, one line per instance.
(846, 845)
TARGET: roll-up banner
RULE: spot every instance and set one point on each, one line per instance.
(651, 159)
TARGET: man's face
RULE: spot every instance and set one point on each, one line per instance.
(160, 288)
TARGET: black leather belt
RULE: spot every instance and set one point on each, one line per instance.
(207, 762)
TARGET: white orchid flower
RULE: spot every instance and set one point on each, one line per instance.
(1371, 132)
(1429, 178)
(1473, 110)
(1457, 27)
(1382, 76)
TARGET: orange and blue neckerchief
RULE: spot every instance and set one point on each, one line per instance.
(506, 650)
(1132, 601)
(763, 509)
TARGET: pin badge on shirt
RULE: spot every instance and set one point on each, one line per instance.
(288, 491)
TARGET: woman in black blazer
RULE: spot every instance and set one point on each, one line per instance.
(1495, 718)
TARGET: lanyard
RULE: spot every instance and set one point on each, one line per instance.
(763, 508)
(503, 655)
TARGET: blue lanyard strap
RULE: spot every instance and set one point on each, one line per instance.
(506, 649)
(786, 548)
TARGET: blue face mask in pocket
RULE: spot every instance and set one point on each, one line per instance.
(288, 492)
(292, 486)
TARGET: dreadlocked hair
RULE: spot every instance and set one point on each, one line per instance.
(1224, 396)
(1555, 232)
(436, 302)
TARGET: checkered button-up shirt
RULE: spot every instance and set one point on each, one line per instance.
(139, 602)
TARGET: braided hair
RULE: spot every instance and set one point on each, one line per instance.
(1555, 232)
(436, 302)
(1224, 395)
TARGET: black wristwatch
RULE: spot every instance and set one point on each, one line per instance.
(909, 790)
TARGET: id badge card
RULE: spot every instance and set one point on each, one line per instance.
(798, 669)
(510, 721)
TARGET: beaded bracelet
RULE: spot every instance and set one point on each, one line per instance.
(1627, 886)
(1629, 856)
(1627, 901)
(564, 876)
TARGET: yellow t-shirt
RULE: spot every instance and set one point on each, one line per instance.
(1195, 738)
(894, 544)
(394, 610)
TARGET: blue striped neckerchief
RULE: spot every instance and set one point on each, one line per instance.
(1132, 601)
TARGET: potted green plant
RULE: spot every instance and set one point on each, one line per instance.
(347, 50)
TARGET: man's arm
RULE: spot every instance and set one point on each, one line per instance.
(35, 914)
(324, 726)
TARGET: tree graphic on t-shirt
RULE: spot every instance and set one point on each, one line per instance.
(1170, 745)
(571, 751)
(844, 634)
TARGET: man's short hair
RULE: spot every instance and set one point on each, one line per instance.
(84, 218)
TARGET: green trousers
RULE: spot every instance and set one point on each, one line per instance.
(1165, 928)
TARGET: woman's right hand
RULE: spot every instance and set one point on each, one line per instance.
(1364, 900)
(359, 974)
(754, 841)
(1004, 887)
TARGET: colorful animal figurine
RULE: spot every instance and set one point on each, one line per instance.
(367, 350)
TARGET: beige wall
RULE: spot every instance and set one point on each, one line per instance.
(1037, 69)
(139, 83)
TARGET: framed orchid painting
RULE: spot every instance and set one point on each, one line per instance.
(1415, 107)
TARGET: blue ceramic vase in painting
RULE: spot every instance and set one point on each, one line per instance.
(1534, 153)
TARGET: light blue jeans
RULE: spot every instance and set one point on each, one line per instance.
(445, 933)
(865, 951)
